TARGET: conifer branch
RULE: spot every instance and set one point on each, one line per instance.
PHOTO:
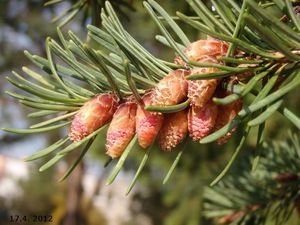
(255, 60)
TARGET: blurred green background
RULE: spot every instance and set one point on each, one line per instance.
(83, 198)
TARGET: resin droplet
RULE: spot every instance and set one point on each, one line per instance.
(148, 123)
(172, 89)
(121, 129)
(226, 114)
(174, 130)
(201, 121)
(93, 115)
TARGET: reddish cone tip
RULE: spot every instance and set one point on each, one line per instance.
(201, 121)
(93, 115)
(174, 130)
(148, 123)
(171, 90)
(121, 129)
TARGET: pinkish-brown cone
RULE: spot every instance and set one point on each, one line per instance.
(171, 90)
(148, 124)
(226, 114)
(208, 47)
(201, 121)
(200, 91)
(93, 115)
(174, 130)
(121, 129)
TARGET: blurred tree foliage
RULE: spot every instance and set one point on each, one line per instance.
(23, 24)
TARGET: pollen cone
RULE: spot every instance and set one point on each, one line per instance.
(93, 115)
(171, 90)
(201, 120)
(200, 48)
(174, 130)
(148, 123)
(200, 91)
(121, 129)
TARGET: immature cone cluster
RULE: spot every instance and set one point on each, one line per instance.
(201, 118)
(204, 116)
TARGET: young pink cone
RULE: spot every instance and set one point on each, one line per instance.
(226, 114)
(148, 123)
(171, 90)
(121, 129)
(208, 47)
(93, 115)
(201, 121)
(174, 130)
(200, 91)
